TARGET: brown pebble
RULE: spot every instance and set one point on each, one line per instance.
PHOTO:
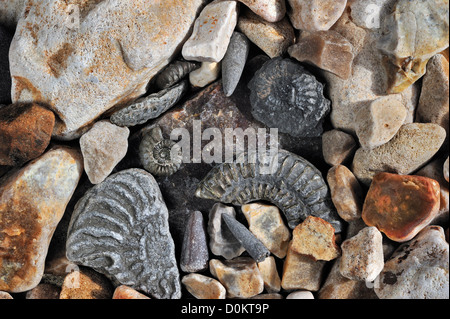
(337, 147)
(44, 291)
(125, 292)
(86, 284)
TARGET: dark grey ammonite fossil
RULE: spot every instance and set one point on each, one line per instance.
(286, 96)
(159, 156)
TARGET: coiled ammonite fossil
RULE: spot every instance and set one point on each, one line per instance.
(159, 156)
(285, 179)
(286, 96)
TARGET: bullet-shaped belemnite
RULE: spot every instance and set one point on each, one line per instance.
(194, 251)
(253, 245)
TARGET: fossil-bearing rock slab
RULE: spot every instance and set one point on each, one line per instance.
(418, 269)
(120, 228)
(84, 64)
(32, 202)
(286, 96)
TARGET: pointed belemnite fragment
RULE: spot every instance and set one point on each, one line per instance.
(253, 245)
(194, 253)
(234, 62)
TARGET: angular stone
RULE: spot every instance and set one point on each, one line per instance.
(5, 75)
(120, 228)
(413, 33)
(266, 223)
(5, 295)
(25, 132)
(274, 38)
(434, 98)
(269, 272)
(337, 286)
(328, 50)
(206, 74)
(401, 205)
(315, 15)
(212, 32)
(417, 269)
(362, 255)
(221, 241)
(367, 14)
(203, 287)
(353, 33)
(346, 193)
(86, 284)
(125, 292)
(300, 295)
(233, 63)
(240, 276)
(103, 147)
(269, 10)
(81, 72)
(32, 202)
(378, 121)
(301, 272)
(44, 291)
(412, 146)
(194, 252)
(337, 147)
(315, 238)
(286, 96)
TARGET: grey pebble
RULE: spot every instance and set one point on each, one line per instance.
(194, 251)
(234, 61)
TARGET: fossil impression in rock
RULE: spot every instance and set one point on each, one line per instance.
(175, 72)
(284, 179)
(120, 228)
(159, 156)
(150, 107)
(286, 96)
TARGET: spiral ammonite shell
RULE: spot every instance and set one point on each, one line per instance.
(159, 156)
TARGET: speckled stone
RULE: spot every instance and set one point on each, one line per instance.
(269, 272)
(44, 291)
(86, 284)
(203, 287)
(212, 32)
(315, 238)
(315, 15)
(32, 203)
(337, 147)
(125, 292)
(367, 14)
(103, 147)
(346, 192)
(401, 205)
(266, 223)
(362, 255)
(5, 295)
(327, 50)
(269, 10)
(240, 276)
(418, 269)
(194, 252)
(412, 146)
(274, 38)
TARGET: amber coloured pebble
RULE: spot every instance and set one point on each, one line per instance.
(401, 205)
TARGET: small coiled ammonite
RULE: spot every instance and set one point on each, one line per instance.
(159, 156)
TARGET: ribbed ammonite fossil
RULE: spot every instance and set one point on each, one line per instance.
(286, 96)
(159, 156)
(283, 178)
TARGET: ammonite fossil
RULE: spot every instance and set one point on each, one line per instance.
(286, 96)
(159, 156)
(150, 107)
(175, 72)
(284, 179)
(120, 228)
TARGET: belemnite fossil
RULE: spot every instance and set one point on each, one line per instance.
(285, 179)
(120, 228)
(286, 96)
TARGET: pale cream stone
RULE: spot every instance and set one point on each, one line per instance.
(203, 287)
(269, 10)
(315, 15)
(300, 295)
(269, 272)
(206, 74)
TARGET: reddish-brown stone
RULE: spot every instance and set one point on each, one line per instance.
(401, 205)
(25, 132)
(125, 292)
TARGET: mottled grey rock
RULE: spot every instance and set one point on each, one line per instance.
(286, 96)
(194, 252)
(252, 245)
(418, 269)
(234, 62)
(120, 228)
(221, 241)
